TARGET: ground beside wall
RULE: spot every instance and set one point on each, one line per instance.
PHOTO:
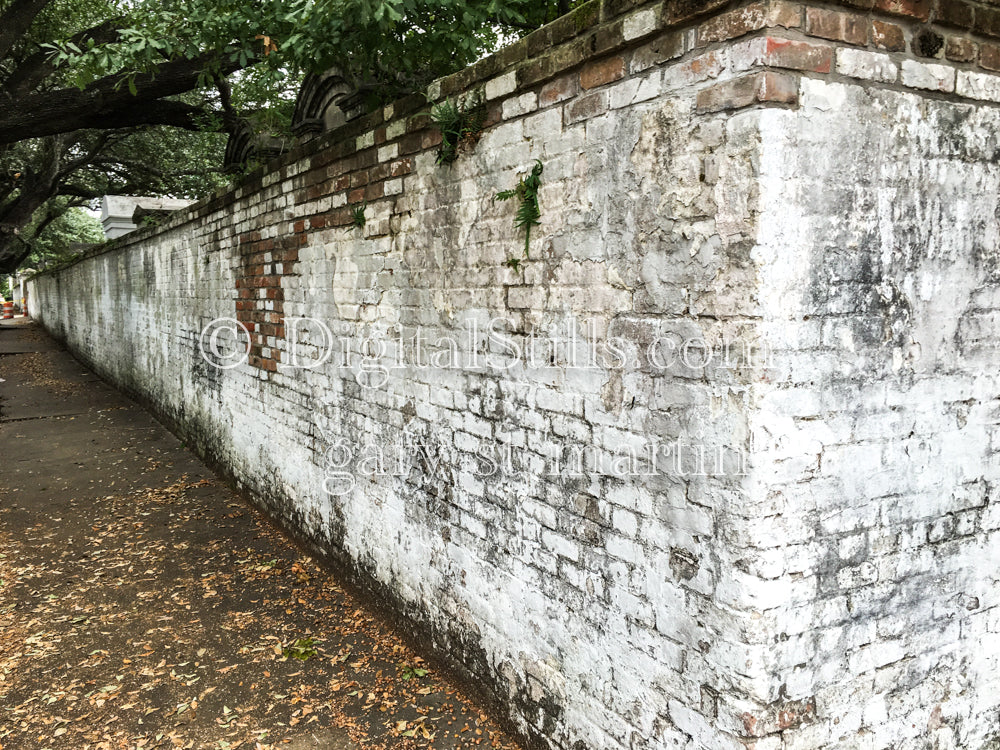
(713, 466)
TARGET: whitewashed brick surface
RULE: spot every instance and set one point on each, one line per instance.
(871, 66)
(928, 76)
(833, 588)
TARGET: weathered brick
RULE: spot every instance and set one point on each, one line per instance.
(418, 122)
(836, 25)
(570, 55)
(978, 86)
(538, 41)
(607, 38)
(781, 53)
(520, 105)
(534, 71)
(576, 22)
(954, 13)
(677, 11)
(784, 53)
(512, 54)
(602, 72)
(559, 90)
(701, 68)
(870, 66)
(733, 24)
(919, 9)
(501, 85)
(927, 43)
(640, 24)
(667, 46)
(989, 57)
(928, 76)
(401, 167)
(785, 14)
(987, 21)
(960, 49)
(743, 92)
(586, 106)
(888, 36)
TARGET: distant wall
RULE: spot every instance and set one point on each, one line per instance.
(716, 467)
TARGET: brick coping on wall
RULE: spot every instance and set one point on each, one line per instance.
(738, 53)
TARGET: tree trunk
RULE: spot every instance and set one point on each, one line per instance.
(38, 187)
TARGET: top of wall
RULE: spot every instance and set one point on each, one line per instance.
(606, 40)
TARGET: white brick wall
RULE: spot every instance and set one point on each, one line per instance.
(837, 588)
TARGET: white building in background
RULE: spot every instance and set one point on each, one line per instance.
(17, 283)
(117, 211)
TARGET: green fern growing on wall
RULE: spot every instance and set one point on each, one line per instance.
(528, 211)
(460, 125)
(358, 215)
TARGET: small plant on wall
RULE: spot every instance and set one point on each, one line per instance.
(528, 212)
(460, 126)
(358, 215)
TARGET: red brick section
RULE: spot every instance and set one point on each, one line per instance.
(783, 53)
(558, 90)
(888, 36)
(954, 13)
(752, 89)
(603, 71)
(263, 263)
(568, 60)
(989, 56)
(835, 25)
(586, 49)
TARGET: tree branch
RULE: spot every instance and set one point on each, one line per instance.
(229, 116)
(107, 103)
(88, 158)
(16, 20)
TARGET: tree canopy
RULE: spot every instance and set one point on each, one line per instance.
(135, 96)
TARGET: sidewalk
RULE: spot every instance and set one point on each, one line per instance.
(144, 605)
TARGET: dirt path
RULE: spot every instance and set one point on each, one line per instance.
(144, 605)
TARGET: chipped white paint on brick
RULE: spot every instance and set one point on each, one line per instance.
(928, 76)
(501, 85)
(640, 24)
(831, 590)
(978, 86)
(868, 213)
(520, 105)
(871, 66)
